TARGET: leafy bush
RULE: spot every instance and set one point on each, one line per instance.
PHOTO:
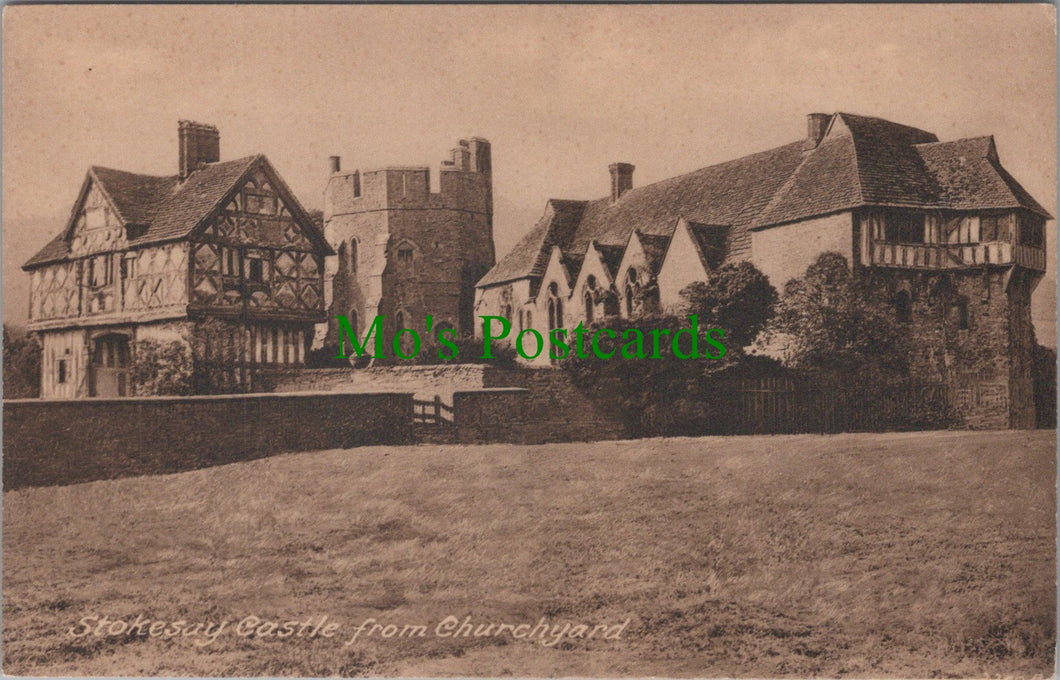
(160, 369)
(662, 395)
(835, 322)
(670, 394)
(735, 297)
(22, 364)
(1043, 371)
(468, 351)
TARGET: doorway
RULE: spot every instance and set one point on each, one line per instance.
(110, 366)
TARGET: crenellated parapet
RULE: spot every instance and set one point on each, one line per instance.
(404, 250)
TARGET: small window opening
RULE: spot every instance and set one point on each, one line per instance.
(903, 308)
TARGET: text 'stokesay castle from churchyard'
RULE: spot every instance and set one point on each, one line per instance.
(951, 237)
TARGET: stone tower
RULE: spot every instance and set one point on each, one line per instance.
(405, 252)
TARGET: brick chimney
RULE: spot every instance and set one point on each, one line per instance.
(621, 179)
(199, 144)
(816, 124)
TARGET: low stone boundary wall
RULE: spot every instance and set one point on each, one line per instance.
(49, 442)
(557, 410)
(520, 415)
(423, 381)
(553, 409)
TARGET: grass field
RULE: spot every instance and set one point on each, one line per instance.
(912, 555)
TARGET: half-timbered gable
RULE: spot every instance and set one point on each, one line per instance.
(145, 257)
(259, 254)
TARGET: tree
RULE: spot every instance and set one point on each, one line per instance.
(22, 364)
(833, 321)
(735, 297)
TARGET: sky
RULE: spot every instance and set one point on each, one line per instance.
(560, 91)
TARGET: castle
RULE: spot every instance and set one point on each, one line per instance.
(953, 240)
(405, 252)
(144, 257)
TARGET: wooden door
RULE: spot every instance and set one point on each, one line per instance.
(110, 366)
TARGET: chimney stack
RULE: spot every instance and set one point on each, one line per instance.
(336, 164)
(621, 179)
(199, 144)
(816, 124)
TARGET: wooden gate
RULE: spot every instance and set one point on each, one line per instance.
(433, 412)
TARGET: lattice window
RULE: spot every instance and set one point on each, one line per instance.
(903, 227)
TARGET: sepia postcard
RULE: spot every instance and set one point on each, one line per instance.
(588, 340)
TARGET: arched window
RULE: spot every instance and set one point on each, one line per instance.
(903, 308)
(629, 301)
(588, 307)
(353, 255)
(529, 319)
(399, 320)
(507, 312)
(555, 307)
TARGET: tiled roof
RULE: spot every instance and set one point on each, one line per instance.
(182, 208)
(654, 247)
(861, 161)
(710, 242)
(612, 256)
(56, 250)
(530, 255)
(167, 208)
(970, 176)
(135, 197)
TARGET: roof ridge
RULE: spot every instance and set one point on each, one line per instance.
(684, 175)
(93, 168)
(975, 138)
(877, 119)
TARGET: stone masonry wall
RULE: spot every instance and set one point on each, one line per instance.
(423, 381)
(71, 441)
(552, 409)
(986, 364)
(450, 234)
(556, 410)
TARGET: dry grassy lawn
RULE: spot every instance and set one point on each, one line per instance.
(913, 555)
